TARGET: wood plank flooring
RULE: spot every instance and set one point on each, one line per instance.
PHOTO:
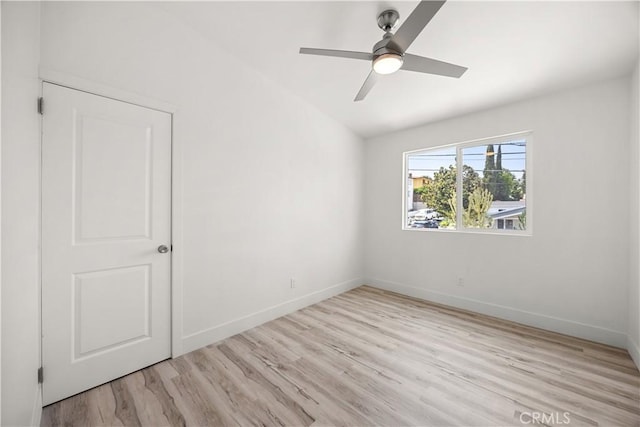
(370, 357)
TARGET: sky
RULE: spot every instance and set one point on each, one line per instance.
(425, 163)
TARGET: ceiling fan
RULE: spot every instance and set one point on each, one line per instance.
(389, 54)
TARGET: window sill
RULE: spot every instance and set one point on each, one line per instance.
(470, 231)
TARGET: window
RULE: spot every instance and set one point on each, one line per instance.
(490, 195)
(505, 224)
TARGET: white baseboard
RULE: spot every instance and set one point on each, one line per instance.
(209, 336)
(563, 326)
(634, 350)
(36, 412)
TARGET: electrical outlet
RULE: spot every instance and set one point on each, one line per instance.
(461, 282)
(293, 283)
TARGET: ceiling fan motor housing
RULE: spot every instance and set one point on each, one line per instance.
(383, 46)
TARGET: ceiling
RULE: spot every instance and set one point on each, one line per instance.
(514, 50)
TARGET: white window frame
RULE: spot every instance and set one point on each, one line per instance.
(460, 228)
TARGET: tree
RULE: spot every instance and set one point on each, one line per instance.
(501, 183)
(522, 225)
(489, 174)
(420, 191)
(476, 214)
(513, 184)
(489, 160)
(453, 202)
(506, 186)
(437, 192)
(470, 182)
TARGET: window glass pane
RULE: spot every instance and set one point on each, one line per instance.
(431, 187)
(494, 185)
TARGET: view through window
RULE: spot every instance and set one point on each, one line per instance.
(489, 195)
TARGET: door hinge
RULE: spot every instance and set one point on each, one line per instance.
(40, 105)
(40, 375)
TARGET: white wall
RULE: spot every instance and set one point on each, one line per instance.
(240, 137)
(571, 275)
(20, 213)
(634, 261)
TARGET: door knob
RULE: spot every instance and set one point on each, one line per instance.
(163, 249)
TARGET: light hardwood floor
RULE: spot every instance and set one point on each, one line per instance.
(369, 357)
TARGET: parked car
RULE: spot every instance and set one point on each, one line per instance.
(425, 214)
(411, 216)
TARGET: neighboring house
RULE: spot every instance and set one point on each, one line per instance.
(416, 183)
(414, 202)
(420, 181)
(506, 214)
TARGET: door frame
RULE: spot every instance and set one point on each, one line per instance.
(176, 283)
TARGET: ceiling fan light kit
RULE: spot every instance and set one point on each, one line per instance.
(387, 63)
(389, 54)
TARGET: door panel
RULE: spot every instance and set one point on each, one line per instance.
(106, 203)
(111, 205)
(103, 318)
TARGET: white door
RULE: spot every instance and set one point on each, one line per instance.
(106, 212)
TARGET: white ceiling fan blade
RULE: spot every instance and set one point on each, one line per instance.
(414, 24)
(337, 53)
(371, 80)
(422, 64)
